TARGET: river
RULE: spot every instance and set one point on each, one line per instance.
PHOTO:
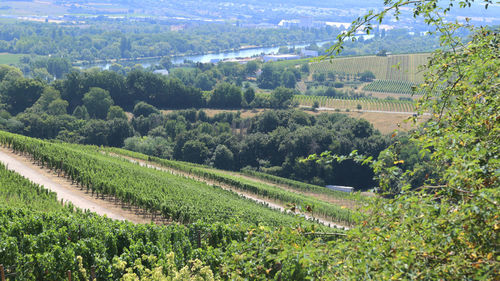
(209, 57)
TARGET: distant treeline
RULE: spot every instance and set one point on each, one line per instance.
(104, 41)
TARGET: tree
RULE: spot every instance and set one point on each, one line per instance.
(204, 82)
(367, 76)
(97, 101)
(223, 157)
(58, 66)
(144, 109)
(118, 130)
(305, 68)
(251, 67)
(288, 79)
(21, 94)
(116, 112)
(166, 63)
(281, 97)
(194, 151)
(448, 227)
(269, 78)
(249, 95)
(9, 73)
(226, 95)
(49, 95)
(95, 132)
(57, 107)
(81, 112)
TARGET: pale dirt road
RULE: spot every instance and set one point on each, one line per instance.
(65, 190)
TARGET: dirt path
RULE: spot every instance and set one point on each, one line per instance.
(67, 191)
(270, 203)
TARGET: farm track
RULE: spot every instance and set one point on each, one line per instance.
(71, 192)
(271, 203)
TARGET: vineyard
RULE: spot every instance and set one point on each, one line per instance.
(40, 239)
(393, 67)
(392, 86)
(353, 104)
(17, 192)
(175, 198)
(300, 201)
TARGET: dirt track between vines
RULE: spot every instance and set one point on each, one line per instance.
(69, 192)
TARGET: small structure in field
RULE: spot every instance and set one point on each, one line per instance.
(347, 189)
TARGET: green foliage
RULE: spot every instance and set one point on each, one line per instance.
(281, 97)
(350, 103)
(20, 93)
(144, 109)
(297, 200)
(409, 69)
(391, 86)
(174, 197)
(367, 76)
(223, 157)
(448, 227)
(116, 112)
(18, 192)
(97, 101)
(249, 95)
(81, 112)
(194, 151)
(226, 95)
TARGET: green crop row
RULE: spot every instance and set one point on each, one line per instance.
(392, 86)
(393, 67)
(334, 212)
(174, 197)
(355, 104)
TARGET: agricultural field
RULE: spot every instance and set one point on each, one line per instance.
(392, 86)
(175, 198)
(392, 67)
(293, 194)
(6, 58)
(381, 105)
(43, 240)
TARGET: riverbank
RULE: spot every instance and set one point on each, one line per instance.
(242, 52)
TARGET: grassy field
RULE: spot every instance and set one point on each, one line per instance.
(6, 58)
(393, 67)
(28, 8)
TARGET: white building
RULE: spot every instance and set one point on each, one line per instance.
(267, 58)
